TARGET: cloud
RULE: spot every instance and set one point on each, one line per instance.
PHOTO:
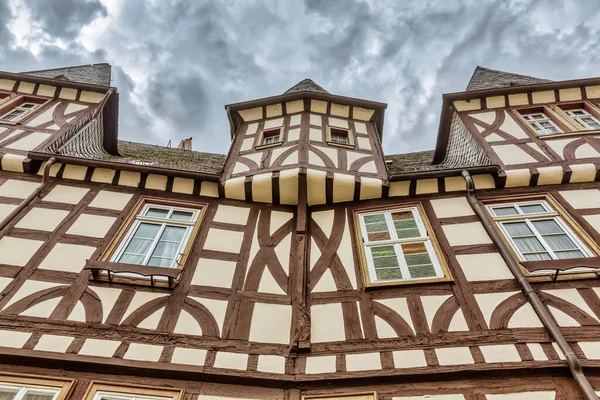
(177, 62)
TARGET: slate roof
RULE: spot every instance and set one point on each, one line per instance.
(94, 74)
(306, 85)
(485, 78)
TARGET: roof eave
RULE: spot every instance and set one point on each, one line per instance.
(55, 82)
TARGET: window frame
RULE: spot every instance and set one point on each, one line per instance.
(536, 123)
(127, 229)
(431, 243)
(131, 392)
(558, 114)
(11, 103)
(261, 137)
(341, 396)
(349, 134)
(63, 387)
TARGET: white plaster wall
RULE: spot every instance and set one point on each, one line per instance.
(466, 234)
(327, 323)
(67, 257)
(43, 219)
(271, 323)
(111, 200)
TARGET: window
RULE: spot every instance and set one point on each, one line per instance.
(537, 232)
(26, 388)
(271, 136)
(19, 112)
(15, 109)
(158, 236)
(104, 391)
(584, 118)
(339, 136)
(542, 124)
(397, 247)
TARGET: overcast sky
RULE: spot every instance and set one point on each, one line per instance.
(177, 63)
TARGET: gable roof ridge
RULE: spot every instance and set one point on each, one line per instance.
(306, 85)
(487, 78)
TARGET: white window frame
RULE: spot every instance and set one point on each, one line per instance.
(164, 222)
(25, 111)
(579, 119)
(535, 123)
(397, 244)
(22, 389)
(549, 214)
(124, 396)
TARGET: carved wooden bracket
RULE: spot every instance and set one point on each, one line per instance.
(563, 265)
(112, 268)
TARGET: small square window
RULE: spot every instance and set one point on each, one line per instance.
(16, 110)
(271, 136)
(541, 123)
(584, 118)
(339, 136)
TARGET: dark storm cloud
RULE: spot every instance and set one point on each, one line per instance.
(177, 62)
(64, 18)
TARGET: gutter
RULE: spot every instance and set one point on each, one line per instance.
(479, 170)
(123, 166)
(532, 297)
(36, 192)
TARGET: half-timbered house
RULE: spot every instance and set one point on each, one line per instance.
(305, 263)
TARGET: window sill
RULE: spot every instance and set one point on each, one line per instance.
(375, 285)
(8, 122)
(561, 266)
(567, 134)
(168, 275)
(345, 146)
(266, 146)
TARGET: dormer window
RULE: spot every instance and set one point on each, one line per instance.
(16, 110)
(271, 136)
(585, 119)
(339, 136)
(541, 123)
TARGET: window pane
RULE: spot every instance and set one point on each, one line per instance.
(502, 211)
(560, 242)
(385, 263)
(376, 227)
(418, 260)
(7, 394)
(37, 395)
(405, 225)
(138, 247)
(167, 246)
(547, 226)
(182, 215)
(516, 229)
(537, 257)
(529, 244)
(532, 208)
(569, 254)
(157, 213)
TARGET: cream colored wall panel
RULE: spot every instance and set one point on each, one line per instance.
(363, 362)
(586, 151)
(262, 188)
(222, 240)
(326, 283)
(569, 94)
(518, 99)
(558, 145)
(235, 189)
(517, 177)
(151, 322)
(316, 187)
(44, 117)
(525, 317)
(295, 106)
(183, 185)
(546, 96)
(103, 175)
(73, 107)
(400, 306)
(15, 251)
(29, 142)
(327, 323)
(452, 207)
(240, 168)
(42, 219)
(500, 353)
(143, 352)
(352, 156)
(370, 188)
(324, 219)
(92, 225)
(340, 123)
(271, 363)
(464, 105)
(431, 304)
(292, 159)
(485, 181)
(156, 182)
(511, 127)
(345, 251)
(99, 347)
(592, 92)
(78, 313)
(488, 117)
(67, 93)
(187, 325)
(232, 214)
(343, 187)
(316, 120)
(67, 257)
(210, 189)
(582, 173)
(330, 153)
(484, 267)
(14, 339)
(340, 110)
(26, 87)
(454, 355)
(494, 138)
(318, 106)
(562, 318)
(13, 162)
(466, 234)
(489, 301)
(295, 120)
(90, 97)
(591, 350)
(129, 178)
(217, 273)
(55, 343)
(561, 355)
(268, 284)
(66, 194)
(6, 209)
(76, 172)
(267, 316)
(360, 127)
(432, 397)
(572, 296)
(363, 143)
(399, 188)
(188, 356)
(274, 110)
(293, 134)
(581, 199)
(247, 144)
(409, 359)
(425, 186)
(511, 154)
(594, 221)
(288, 186)
(251, 114)
(216, 307)
(368, 167)
(495, 101)
(363, 114)
(229, 360)
(550, 175)
(455, 183)
(111, 200)
(273, 123)
(7, 84)
(523, 396)
(537, 351)
(252, 128)
(43, 309)
(29, 287)
(320, 365)
(315, 135)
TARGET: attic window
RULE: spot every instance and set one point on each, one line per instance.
(271, 136)
(19, 108)
(339, 136)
